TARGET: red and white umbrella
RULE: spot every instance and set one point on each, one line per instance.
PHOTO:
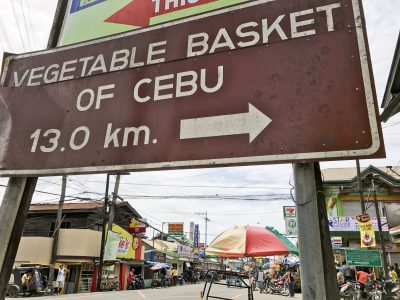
(250, 241)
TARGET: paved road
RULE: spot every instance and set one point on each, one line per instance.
(186, 292)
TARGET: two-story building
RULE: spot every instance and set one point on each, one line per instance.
(343, 200)
(78, 243)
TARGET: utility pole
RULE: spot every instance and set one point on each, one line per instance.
(162, 230)
(103, 235)
(57, 226)
(206, 219)
(378, 217)
(318, 276)
(360, 187)
(114, 202)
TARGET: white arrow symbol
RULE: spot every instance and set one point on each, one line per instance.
(251, 123)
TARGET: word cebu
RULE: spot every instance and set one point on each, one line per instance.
(302, 23)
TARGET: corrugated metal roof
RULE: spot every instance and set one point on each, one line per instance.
(67, 206)
(339, 174)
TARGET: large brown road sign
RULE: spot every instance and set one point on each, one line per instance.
(263, 82)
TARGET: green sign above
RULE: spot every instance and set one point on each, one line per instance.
(363, 258)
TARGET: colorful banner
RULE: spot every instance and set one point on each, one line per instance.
(111, 249)
(367, 232)
(90, 19)
(175, 228)
(351, 224)
(136, 226)
(196, 236)
(128, 247)
(191, 232)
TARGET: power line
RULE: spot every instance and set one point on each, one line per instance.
(4, 32)
(26, 26)
(16, 20)
(31, 25)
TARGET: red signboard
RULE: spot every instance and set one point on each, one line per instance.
(263, 82)
(175, 228)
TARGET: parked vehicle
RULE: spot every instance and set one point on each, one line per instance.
(138, 282)
(39, 286)
(180, 280)
(350, 291)
(110, 282)
(233, 281)
(276, 286)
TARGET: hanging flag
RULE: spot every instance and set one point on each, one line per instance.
(366, 231)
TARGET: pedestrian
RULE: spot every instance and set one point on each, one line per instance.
(163, 274)
(393, 274)
(131, 277)
(396, 269)
(62, 272)
(340, 277)
(289, 277)
(260, 280)
(347, 272)
(362, 278)
(174, 274)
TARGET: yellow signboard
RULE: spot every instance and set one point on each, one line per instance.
(366, 231)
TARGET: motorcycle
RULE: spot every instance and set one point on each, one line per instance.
(138, 282)
(180, 280)
(385, 290)
(277, 287)
(350, 291)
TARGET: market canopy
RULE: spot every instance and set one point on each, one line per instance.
(292, 248)
(250, 241)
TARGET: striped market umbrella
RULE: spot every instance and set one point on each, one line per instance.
(247, 241)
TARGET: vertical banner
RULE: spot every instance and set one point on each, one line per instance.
(366, 231)
(191, 232)
(196, 236)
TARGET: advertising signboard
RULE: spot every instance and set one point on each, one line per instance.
(89, 19)
(348, 223)
(175, 228)
(363, 258)
(136, 227)
(196, 236)
(289, 211)
(270, 77)
(291, 225)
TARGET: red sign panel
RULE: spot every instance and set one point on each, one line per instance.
(263, 82)
(175, 228)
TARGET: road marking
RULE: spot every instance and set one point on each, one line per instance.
(141, 294)
(174, 297)
(238, 296)
(251, 123)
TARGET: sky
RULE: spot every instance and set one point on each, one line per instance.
(231, 196)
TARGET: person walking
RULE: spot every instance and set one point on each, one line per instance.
(289, 277)
(260, 280)
(163, 275)
(174, 274)
(131, 279)
(62, 272)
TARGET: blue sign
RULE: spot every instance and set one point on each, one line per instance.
(78, 5)
(196, 236)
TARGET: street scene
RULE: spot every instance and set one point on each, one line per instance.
(200, 149)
